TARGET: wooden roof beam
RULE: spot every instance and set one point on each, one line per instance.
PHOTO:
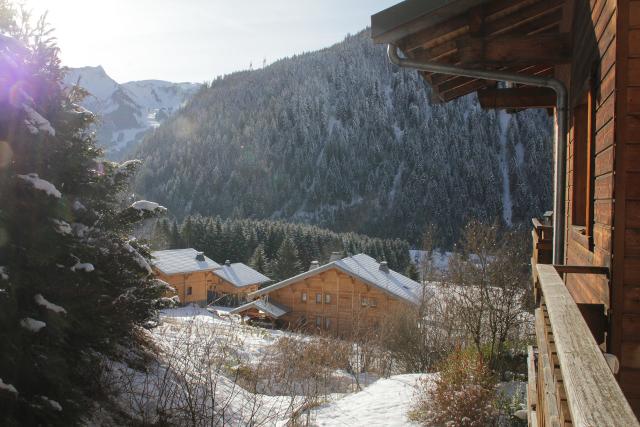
(515, 98)
(513, 50)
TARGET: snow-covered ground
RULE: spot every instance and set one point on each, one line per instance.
(384, 403)
(205, 360)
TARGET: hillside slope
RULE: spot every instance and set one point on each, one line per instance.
(342, 138)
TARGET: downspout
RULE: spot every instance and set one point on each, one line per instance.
(560, 131)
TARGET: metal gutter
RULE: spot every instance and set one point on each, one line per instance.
(560, 128)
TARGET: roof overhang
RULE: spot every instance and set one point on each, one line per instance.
(272, 309)
(518, 36)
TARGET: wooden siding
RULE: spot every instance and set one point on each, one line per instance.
(345, 310)
(594, 30)
(626, 271)
(181, 282)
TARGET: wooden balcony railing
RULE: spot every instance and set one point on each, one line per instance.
(570, 382)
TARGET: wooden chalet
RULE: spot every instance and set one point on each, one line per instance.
(343, 297)
(232, 282)
(580, 60)
(189, 271)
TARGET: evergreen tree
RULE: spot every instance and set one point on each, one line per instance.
(412, 272)
(73, 287)
(259, 260)
(286, 262)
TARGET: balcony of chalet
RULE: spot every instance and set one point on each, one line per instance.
(572, 380)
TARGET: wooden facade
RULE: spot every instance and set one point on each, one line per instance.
(190, 287)
(593, 47)
(335, 303)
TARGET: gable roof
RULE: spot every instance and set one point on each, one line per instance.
(239, 275)
(175, 261)
(366, 269)
(271, 308)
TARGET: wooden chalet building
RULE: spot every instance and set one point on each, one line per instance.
(232, 282)
(189, 271)
(340, 298)
(580, 60)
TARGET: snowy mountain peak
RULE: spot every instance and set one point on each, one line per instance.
(126, 111)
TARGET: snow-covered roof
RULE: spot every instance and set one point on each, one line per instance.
(174, 261)
(240, 275)
(271, 308)
(364, 268)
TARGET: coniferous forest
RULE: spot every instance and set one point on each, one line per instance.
(278, 249)
(343, 139)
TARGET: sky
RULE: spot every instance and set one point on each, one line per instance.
(196, 40)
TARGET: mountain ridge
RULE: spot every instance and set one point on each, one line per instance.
(127, 110)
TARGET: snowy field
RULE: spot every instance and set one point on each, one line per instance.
(214, 367)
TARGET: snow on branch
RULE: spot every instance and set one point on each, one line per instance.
(32, 325)
(83, 266)
(128, 165)
(40, 300)
(41, 184)
(142, 262)
(36, 123)
(147, 206)
(62, 227)
(55, 405)
(7, 387)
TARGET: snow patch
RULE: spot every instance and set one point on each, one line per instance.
(41, 184)
(32, 325)
(7, 387)
(85, 266)
(3, 273)
(520, 153)
(507, 203)
(42, 301)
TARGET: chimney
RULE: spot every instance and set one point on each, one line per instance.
(227, 262)
(335, 256)
(200, 256)
(384, 267)
(314, 265)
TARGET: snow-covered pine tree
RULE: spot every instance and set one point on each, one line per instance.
(73, 287)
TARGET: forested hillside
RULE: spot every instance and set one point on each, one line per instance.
(343, 139)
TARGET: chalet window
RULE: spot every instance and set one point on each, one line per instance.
(318, 298)
(303, 298)
(189, 290)
(583, 164)
(318, 321)
(373, 302)
(364, 302)
(327, 298)
(327, 323)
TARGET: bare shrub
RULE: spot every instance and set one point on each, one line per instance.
(462, 395)
(489, 281)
